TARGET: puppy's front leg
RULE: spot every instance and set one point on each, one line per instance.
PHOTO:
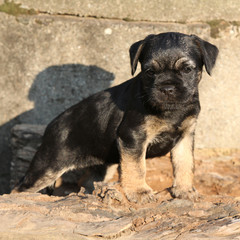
(133, 168)
(183, 164)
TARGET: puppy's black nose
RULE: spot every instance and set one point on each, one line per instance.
(168, 89)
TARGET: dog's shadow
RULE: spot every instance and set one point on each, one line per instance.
(59, 87)
(54, 89)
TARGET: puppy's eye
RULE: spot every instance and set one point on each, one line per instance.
(150, 72)
(187, 69)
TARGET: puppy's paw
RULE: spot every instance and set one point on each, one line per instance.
(184, 193)
(141, 195)
(14, 191)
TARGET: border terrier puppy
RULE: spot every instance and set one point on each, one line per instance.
(147, 116)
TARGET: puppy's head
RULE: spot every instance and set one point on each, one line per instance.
(171, 65)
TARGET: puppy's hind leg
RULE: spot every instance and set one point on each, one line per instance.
(40, 174)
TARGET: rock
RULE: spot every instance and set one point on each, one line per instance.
(105, 229)
(24, 142)
(25, 216)
(226, 228)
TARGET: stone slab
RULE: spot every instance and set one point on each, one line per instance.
(36, 216)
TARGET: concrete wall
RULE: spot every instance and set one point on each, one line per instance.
(141, 10)
(56, 55)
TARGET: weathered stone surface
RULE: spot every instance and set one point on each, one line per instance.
(155, 10)
(28, 216)
(25, 141)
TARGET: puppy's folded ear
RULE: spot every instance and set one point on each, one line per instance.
(135, 51)
(209, 53)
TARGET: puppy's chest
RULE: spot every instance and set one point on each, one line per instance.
(162, 133)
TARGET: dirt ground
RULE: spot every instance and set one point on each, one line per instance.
(217, 172)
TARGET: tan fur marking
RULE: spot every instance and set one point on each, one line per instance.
(156, 65)
(179, 62)
(199, 76)
(154, 126)
(111, 170)
(133, 171)
(133, 174)
(182, 156)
